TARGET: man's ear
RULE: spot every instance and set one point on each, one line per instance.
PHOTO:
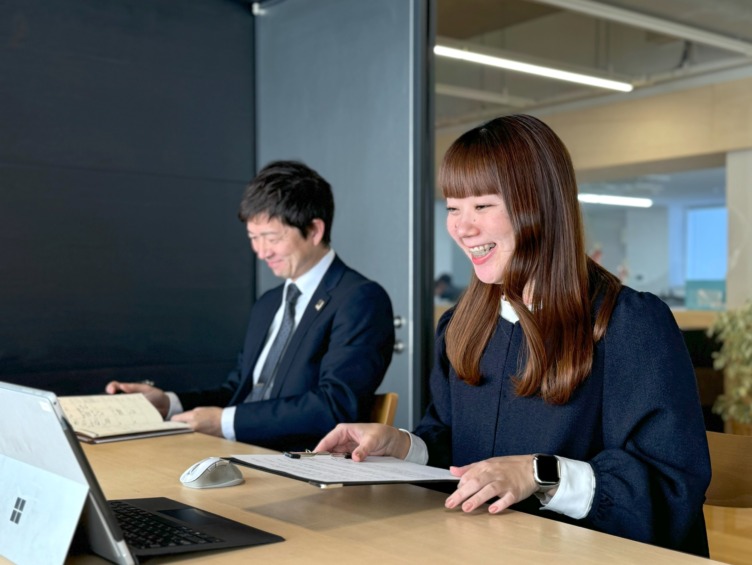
(316, 231)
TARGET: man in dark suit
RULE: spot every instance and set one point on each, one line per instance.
(317, 346)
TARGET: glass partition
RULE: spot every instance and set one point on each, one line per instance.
(675, 247)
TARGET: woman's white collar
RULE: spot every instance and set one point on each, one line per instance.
(508, 312)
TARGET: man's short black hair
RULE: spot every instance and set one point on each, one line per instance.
(293, 193)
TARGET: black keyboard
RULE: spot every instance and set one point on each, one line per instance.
(145, 530)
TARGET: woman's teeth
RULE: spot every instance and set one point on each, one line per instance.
(481, 250)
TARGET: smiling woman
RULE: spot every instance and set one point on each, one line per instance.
(481, 227)
(511, 188)
(553, 384)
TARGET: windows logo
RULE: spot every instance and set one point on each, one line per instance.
(15, 516)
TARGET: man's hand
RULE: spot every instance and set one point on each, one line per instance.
(155, 395)
(204, 419)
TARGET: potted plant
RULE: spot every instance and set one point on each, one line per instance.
(733, 329)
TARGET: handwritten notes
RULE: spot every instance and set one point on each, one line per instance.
(107, 417)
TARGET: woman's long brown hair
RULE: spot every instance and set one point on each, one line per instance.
(524, 161)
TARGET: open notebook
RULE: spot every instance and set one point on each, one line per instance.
(50, 493)
(100, 418)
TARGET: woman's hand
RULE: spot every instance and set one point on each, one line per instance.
(362, 440)
(508, 478)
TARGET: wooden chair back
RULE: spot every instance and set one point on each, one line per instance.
(384, 408)
(731, 463)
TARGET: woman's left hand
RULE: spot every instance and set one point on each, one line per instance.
(508, 478)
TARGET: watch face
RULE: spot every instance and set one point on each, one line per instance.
(546, 469)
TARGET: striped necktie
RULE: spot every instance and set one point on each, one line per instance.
(263, 387)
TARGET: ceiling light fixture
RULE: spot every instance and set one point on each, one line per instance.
(615, 200)
(512, 65)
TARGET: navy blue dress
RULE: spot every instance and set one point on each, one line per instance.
(636, 419)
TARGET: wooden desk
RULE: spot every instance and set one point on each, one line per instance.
(694, 319)
(372, 524)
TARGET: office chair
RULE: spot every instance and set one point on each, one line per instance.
(731, 463)
(384, 408)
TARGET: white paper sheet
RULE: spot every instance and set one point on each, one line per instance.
(327, 471)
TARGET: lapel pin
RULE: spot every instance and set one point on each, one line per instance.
(319, 304)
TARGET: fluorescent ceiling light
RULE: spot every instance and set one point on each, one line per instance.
(615, 200)
(511, 65)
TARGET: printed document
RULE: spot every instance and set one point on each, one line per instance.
(326, 471)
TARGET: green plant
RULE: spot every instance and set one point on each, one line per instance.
(733, 329)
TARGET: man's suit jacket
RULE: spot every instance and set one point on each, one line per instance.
(335, 361)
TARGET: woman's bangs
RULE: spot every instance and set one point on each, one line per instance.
(467, 171)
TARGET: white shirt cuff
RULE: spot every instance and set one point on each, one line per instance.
(176, 407)
(228, 422)
(228, 415)
(418, 452)
(573, 498)
(576, 491)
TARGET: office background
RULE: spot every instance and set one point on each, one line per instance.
(130, 129)
(680, 138)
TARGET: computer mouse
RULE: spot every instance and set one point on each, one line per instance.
(212, 472)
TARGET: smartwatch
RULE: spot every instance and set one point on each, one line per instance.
(546, 471)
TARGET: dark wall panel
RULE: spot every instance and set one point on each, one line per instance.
(163, 86)
(127, 138)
